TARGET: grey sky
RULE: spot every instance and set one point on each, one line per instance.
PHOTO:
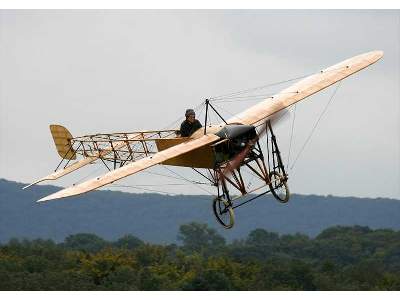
(107, 71)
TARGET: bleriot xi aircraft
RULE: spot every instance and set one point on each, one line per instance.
(219, 152)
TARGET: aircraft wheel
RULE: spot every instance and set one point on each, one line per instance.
(223, 212)
(279, 187)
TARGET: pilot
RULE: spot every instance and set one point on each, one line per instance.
(190, 125)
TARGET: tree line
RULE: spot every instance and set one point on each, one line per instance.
(339, 258)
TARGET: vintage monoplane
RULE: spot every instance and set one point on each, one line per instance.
(218, 152)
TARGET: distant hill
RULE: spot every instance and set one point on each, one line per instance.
(156, 218)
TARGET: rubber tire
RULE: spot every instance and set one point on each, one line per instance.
(287, 194)
(230, 211)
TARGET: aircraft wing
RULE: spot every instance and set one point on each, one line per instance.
(60, 173)
(133, 167)
(306, 87)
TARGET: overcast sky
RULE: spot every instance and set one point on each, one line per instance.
(107, 71)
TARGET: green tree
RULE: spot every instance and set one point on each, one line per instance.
(209, 280)
(128, 242)
(197, 237)
(261, 237)
(85, 242)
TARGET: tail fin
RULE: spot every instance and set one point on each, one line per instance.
(62, 139)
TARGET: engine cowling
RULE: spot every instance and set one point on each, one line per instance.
(237, 136)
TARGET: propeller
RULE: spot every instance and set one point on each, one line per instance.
(240, 157)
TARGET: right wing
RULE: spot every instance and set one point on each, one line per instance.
(305, 88)
(133, 167)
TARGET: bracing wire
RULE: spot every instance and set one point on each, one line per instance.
(144, 189)
(225, 110)
(180, 118)
(316, 124)
(183, 178)
(258, 87)
(86, 176)
(250, 97)
(173, 177)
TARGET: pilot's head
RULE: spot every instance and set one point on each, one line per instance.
(190, 115)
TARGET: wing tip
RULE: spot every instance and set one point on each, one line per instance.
(64, 193)
(49, 197)
(375, 55)
(379, 53)
(36, 182)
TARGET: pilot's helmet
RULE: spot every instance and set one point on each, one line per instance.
(189, 112)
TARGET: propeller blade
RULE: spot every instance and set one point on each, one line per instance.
(241, 156)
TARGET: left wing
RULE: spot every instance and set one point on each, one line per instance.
(133, 167)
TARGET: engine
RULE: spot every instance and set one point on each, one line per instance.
(237, 137)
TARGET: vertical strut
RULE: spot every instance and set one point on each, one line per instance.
(276, 152)
(205, 121)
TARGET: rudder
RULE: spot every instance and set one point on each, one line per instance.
(62, 139)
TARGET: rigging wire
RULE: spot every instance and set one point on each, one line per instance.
(177, 178)
(180, 118)
(259, 87)
(251, 97)
(226, 111)
(161, 184)
(144, 189)
(316, 124)
(183, 178)
(90, 174)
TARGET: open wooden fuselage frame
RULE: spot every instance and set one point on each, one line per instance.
(217, 152)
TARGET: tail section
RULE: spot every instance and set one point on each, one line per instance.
(62, 139)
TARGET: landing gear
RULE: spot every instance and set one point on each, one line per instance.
(239, 151)
(223, 212)
(278, 186)
(269, 171)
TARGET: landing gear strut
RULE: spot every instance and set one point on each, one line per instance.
(270, 171)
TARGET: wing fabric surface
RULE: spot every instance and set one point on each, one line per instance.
(133, 168)
(306, 87)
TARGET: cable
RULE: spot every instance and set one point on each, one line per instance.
(251, 97)
(316, 124)
(177, 178)
(144, 189)
(180, 118)
(259, 87)
(83, 178)
(233, 115)
(161, 184)
(187, 180)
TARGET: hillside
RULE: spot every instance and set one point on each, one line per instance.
(156, 218)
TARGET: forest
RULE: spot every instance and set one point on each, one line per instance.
(339, 258)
